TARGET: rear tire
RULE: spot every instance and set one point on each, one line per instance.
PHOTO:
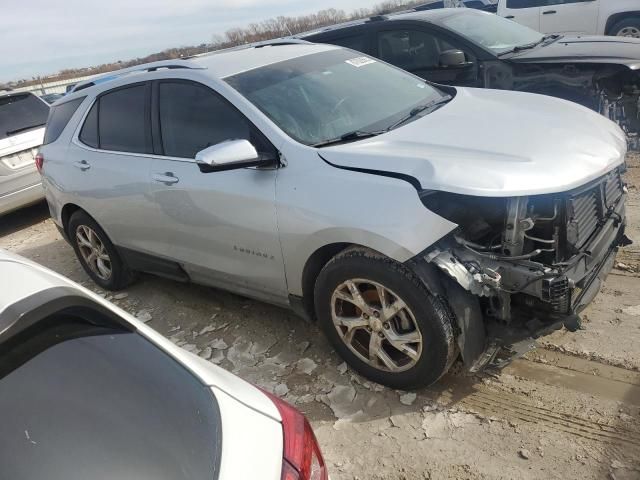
(390, 328)
(629, 27)
(97, 255)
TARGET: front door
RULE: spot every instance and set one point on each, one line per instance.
(570, 16)
(221, 226)
(418, 50)
(524, 12)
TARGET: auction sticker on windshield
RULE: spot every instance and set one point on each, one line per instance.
(360, 61)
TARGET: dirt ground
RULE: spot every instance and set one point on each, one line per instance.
(571, 409)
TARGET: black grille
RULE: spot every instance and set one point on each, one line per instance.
(588, 208)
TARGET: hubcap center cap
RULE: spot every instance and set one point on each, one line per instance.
(375, 324)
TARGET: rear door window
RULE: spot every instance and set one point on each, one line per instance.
(194, 117)
(119, 121)
(59, 116)
(20, 113)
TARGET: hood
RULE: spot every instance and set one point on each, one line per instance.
(493, 143)
(586, 49)
(22, 141)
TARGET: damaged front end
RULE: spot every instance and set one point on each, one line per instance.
(520, 268)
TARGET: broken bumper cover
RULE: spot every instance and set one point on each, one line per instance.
(547, 298)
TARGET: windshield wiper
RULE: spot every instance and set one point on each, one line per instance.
(22, 129)
(528, 46)
(419, 109)
(348, 137)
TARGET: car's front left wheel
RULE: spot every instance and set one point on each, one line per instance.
(383, 321)
(97, 255)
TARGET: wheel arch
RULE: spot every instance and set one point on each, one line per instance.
(65, 215)
(617, 17)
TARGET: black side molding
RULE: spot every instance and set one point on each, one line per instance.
(400, 176)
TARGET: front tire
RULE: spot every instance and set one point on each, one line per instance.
(383, 321)
(629, 27)
(97, 255)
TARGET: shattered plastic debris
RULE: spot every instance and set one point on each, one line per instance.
(206, 353)
(634, 311)
(281, 390)
(408, 398)
(120, 296)
(306, 365)
(219, 344)
(144, 316)
(342, 368)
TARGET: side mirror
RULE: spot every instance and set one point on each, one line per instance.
(453, 59)
(228, 155)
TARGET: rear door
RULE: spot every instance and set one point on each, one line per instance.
(525, 12)
(221, 226)
(570, 16)
(107, 167)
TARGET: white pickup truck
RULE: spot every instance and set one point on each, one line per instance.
(593, 17)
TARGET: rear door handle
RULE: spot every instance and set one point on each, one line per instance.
(167, 178)
(82, 165)
(549, 12)
(509, 17)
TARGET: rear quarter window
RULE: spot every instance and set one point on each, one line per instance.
(59, 117)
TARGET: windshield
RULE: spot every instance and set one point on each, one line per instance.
(491, 31)
(19, 113)
(327, 95)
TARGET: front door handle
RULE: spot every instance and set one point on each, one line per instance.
(82, 165)
(549, 12)
(509, 17)
(167, 178)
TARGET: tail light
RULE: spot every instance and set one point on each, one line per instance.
(39, 162)
(302, 457)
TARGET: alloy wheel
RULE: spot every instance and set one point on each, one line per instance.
(93, 252)
(376, 325)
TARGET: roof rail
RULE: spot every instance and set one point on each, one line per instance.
(146, 67)
(266, 43)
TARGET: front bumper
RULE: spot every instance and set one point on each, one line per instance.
(535, 300)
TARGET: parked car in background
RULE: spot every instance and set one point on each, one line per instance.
(591, 17)
(466, 47)
(485, 5)
(320, 179)
(22, 120)
(52, 97)
(88, 391)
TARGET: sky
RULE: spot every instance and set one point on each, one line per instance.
(39, 37)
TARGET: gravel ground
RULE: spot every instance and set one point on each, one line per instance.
(569, 410)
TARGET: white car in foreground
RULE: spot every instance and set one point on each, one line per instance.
(89, 392)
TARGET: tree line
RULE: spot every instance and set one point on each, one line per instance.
(271, 28)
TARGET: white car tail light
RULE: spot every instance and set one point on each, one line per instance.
(302, 456)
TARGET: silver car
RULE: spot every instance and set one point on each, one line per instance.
(417, 223)
(22, 120)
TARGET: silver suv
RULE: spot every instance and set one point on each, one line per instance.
(415, 222)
